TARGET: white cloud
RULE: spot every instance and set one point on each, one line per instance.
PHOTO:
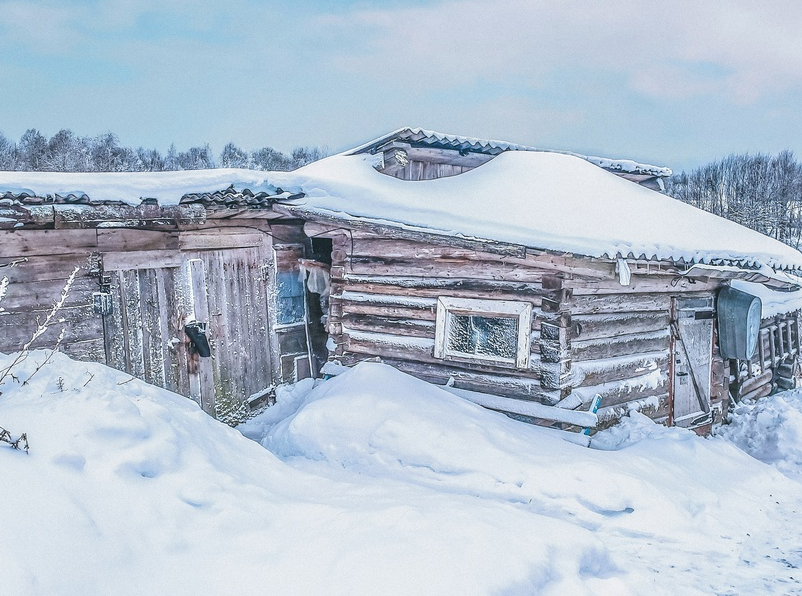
(754, 45)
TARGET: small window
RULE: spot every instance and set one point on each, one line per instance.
(491, 331)
(290, 299)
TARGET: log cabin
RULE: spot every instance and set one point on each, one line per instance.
(537, 283)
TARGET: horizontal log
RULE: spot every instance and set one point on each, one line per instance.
(626, 390)
(393, 346)
(382, 310)
(785, 383)
(637, 343)
(444, 268)
(640, 284)
(759, 392)
(363, 228)
(750, 385)
(606, 370)
(437, 286)
(597, 326)
(28, 243)
(655, 407)
(617, 303)
(390, 325)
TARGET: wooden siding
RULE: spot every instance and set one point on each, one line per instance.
(590, 334)
(153, 295)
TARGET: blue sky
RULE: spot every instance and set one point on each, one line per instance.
(671, 82)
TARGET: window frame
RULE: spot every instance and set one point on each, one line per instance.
(447, 306)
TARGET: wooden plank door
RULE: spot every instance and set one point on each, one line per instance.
(692, 333)
(144, 333)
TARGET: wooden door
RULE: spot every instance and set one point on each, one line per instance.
(225, 290)
(692, 335)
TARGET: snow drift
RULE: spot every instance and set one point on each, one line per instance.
(373, 482)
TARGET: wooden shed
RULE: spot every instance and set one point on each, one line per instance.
(155, 282)
(532, 282)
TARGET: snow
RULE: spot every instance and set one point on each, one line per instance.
(545, 200)
(372, 482)
(132, 187)
(770, 429)
(772, 302)
(536, 199)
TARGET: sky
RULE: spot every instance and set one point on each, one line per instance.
(671, 82)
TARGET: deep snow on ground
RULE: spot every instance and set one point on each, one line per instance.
(371, 483)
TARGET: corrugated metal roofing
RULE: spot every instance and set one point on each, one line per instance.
(441, 140)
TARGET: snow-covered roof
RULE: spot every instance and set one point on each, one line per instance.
(772, 302)
(441, 140)
(542, 200)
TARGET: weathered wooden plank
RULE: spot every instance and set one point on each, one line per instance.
(132, 323)
(79, 323)
(636, 343)
(389, 325)
(28, 243)
(113, 326)
(142, 259)
(218, 239)
(152, 339)
(40, 268)
(40, 295)
(119, 240)
(201, 376)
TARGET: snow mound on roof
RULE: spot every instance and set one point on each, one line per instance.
(542, 200)
(772, 302)
(770, 429)
(132, 187)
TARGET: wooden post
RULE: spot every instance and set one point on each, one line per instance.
(201, 378)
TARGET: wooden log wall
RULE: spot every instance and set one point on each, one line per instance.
(589, 333)
(384, 299)
(621, 340)
(143, 270)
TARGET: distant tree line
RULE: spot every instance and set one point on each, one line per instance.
(761, 192)
(68, 152)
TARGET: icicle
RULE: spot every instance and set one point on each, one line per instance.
(624, 273)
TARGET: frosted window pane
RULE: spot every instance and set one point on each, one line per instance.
(483, 336)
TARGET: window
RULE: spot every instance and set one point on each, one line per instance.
(290, 299)
(490, 331)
